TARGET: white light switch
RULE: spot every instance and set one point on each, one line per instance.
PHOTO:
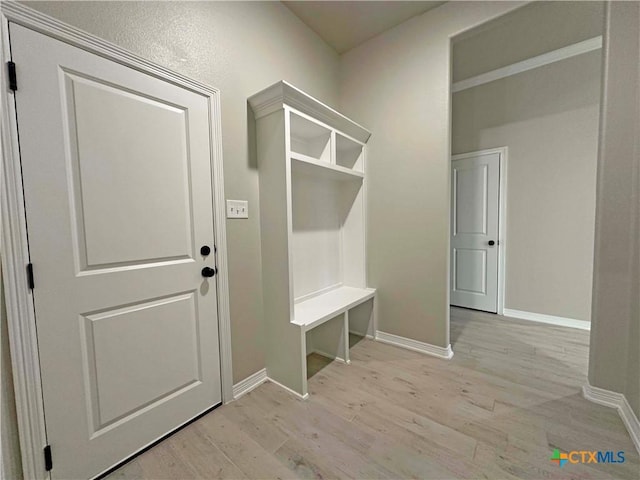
(237, 209)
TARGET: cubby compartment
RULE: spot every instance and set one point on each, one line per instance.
(349, 153)
(317, 249)
(327, 235)
(360, 321)
(309, 139)
(330, 339)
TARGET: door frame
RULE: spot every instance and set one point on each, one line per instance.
(13, 229)
(502, 216)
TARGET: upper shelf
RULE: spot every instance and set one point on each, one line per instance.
(282, 93)
(310, 166)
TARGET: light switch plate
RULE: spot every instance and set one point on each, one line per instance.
(237, 209)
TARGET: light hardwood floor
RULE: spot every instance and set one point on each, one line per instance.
(510, 395)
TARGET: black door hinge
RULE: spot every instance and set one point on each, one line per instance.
(13, 80)
(30, 275)
(48, 460)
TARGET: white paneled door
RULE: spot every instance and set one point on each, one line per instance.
(475, 183)
(117, 184)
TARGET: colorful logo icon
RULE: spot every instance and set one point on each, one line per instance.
(587, 456)
(559, 457)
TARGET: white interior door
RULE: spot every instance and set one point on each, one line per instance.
(475, 183)
(117, 182)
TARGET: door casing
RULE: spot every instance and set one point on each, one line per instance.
(502, 217)
(14, 249)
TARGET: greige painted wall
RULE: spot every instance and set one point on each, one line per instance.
(240, 48)
(548, 118)
(535, 29)
(397, 85)
(615, 335)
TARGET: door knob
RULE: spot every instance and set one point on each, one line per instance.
(209, 272)
(491, 243)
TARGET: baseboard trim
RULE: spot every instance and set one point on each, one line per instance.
(550, 319)
(253, 381)
(620, 403)
(249, 383)
(415, 345)
(293, 392)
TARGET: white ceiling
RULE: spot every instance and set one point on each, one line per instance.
(347, 24)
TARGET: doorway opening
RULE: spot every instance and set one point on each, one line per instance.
(537, 95)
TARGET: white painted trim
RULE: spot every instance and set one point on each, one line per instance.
(293, 392)
(630, 421)
(503, 152)
(220, 232)
(415, 345)
(19, 302)
(282, 93)
(502, 229)
(619, 402)
(550, 319)
(249, 383)
(15, 253)
(563, 53)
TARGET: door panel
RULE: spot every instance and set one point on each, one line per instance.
(119, 340)
(471, 200)
(474, 223)
(129, 211)
(470, 267)
(117, 182)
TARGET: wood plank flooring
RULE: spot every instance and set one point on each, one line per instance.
(510, 395)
